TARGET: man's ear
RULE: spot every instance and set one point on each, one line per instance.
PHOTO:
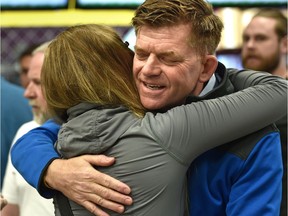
(210, 63)
(284, 44)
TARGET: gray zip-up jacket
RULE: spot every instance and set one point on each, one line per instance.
(153, 153)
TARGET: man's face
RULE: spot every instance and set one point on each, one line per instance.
(261, 48)
(166, 69)
(33, 91)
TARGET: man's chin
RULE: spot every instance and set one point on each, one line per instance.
(252, 62)
(152, 105)
(40, 118)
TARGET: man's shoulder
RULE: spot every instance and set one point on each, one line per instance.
(26, 127)
(243, 146)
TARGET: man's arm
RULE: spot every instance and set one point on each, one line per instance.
(10, 191)
(33, 152)
(257, 190)
(242, 79)
(77, 179)
(3, 202)
(35, 158)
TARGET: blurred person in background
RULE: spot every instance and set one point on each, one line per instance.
(19, 75)
(22, 198)
(24, 63)
(15, 111)
(265, 49)
(265, 43)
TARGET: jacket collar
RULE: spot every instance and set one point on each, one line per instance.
(222, 86)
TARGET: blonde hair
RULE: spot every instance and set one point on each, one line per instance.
(206, 26)
(41, 48)
(89, 63)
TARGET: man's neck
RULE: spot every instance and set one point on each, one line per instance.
(281, 70)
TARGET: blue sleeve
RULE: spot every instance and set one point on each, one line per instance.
(32, 154)
(257, 191)
(239, 179)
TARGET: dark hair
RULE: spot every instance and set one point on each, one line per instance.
(27, 51)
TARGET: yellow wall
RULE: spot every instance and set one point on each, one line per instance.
(234, 19)
(56, 18)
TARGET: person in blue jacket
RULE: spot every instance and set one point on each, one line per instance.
(44, 137)
(15, 111)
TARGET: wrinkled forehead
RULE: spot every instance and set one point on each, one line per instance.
(173, 38)
(175, 34)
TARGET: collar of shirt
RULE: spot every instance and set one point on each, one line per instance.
(209, 87)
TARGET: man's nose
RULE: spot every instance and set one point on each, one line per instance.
(152, 67)
(29, 91)
(250, 43)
